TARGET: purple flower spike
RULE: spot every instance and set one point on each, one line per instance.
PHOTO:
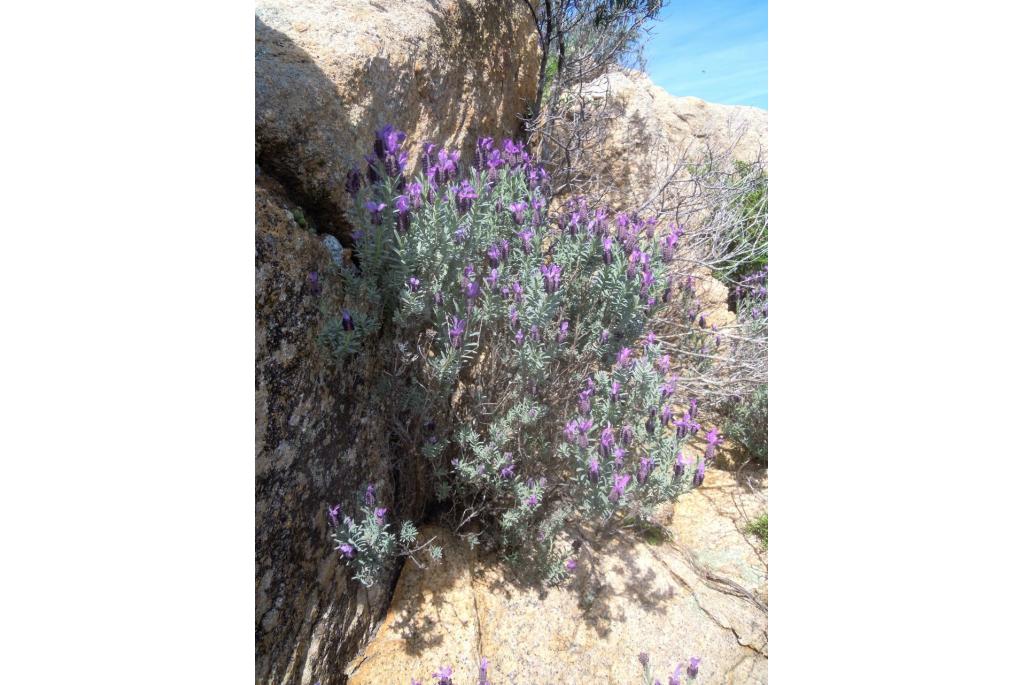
(346, 550)
(332, 513)
(473, 290)
(494, 254)
(414, 284)
(534, 333)
(483, 672)
(563, 331)
(677, 677)
(691, 670)
(593, 470)
(527, 237)
(517, 291)
(570, 430)
(605, 334)
(518, 210)
(513, 315)
(698, 475)
(619, 454)
(626, 435)
(375, 209)
(520, 337)
(370, 497)
(314, 283)
(666, 415)
(570, 565)
(714, 439)
(646, 464)
(552, 277)
(623, 358)
(644, 659)
(614, 392)
(444, 675)
(607, 441)
(465, 196)
(380, 513)
(664, 363)
(507, 469)
(531, 501)
(456, 327)
(607, 244)
(346, 321)
(619, 488)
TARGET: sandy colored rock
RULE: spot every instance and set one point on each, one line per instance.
(628, 597)
(331, 72)
(652, 130)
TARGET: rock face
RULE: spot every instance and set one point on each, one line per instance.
(315, 442)
(328, 73)
(331, 72)
(652, 131)
(703, 593)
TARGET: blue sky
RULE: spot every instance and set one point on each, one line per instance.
(716, 50)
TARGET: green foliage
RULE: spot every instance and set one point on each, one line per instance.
(747, 424)
(748, 235)
(759, 528)
(516, 331)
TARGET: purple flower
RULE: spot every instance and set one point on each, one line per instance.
(607, 244)
(519, 337)
(473, 290)
(702, 322)
(370, 497)
(526, 235)
(444, 675)
(582, 432)
(380, 513)
(619, 487)
(513, 315)
(570, 565)
(668, 388)
(585, 401)
(518, 210)
(676, 677)
(594, 469)
(619, 454)
(698, 475)
(604, 336)
(332, 513)
(646, 282)
(416, 195)
(607, 441)
(314, 283)
(693, 407)
(650, 339)
(664, 363)
(691, 670)
(346, 550)
(552, 277)
(570, 430)
(666, 415)
(346, 321)
(534, 333)
(644, 659)
(614, 392)
(713, 441)
(483, 672)
(375, 209)
(456, 327)
(626, 435)
(494, 254)
(623, 358)
(465, 196)
(563, 331)
(492, 280)
(645, 469)
(531, 501)
(507, 469)
(414, 284)
(681, 464)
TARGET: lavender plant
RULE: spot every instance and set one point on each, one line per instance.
(544, 399)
